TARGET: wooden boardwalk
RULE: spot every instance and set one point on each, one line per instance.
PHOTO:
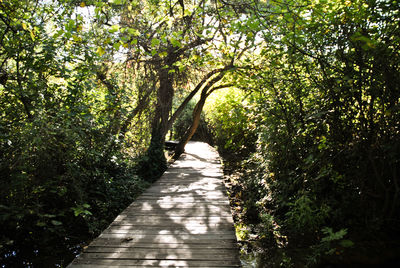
(183, 220)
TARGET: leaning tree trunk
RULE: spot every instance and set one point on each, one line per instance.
(206, 91)
(179, 149)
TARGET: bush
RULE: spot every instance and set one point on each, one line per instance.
(232, 125)
(60, 188)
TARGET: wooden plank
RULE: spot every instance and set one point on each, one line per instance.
(188, 228)
(183, 220)
(160, 263)
(165, 238)
(184, 171)
(154, 255)
(171, 207)
(178, 207)
(187, 193)
(157, 226)
(179, 210)
(187, 189)
(188, 179)
(175, 232)
(200, 212)
(175, 213)
(136, 266)
(187, 250)
(129, 224)
(172, 219)
(178, 199)
(110, 242)
(160, 220)
(195, 182)
(198, 195)
(202, 196)
(166, 203)
(175, 218)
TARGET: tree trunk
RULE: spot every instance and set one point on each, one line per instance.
(165, 94)
(179, 149)
(206, 91)
(154, 162)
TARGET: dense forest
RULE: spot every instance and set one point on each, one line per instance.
(301, 98)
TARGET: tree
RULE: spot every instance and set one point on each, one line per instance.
(327, 124)
(64, 175)
(173, 39)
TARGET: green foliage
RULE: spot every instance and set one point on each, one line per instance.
(230, 121)
(304, 214)
(183, 122)
(332, 236)
(316, 126)
(81, 210)
(153, 163)
(326, 95)
(331, 243)
(60, 186)
(65, 171)
(242, 232)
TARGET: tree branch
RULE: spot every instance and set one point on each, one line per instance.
(181, 107)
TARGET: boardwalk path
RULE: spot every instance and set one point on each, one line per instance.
(183, 220)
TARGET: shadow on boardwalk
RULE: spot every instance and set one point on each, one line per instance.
(183, 220)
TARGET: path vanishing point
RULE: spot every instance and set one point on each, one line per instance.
(183, 220)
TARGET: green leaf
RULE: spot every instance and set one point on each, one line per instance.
(155, 42)
(56, 223)
(163, 54)
(346, 243)
(32, 35)
(117, 45)
(40, 224)
(117, 2)
(331, 236)
(76, 38)
(114, 28)
(133, 32)
(175, 42)
(100, 51)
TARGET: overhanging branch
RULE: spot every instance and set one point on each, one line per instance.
(181, 107)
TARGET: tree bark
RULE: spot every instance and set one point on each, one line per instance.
(154, 162)
(180, 148)
(165, 94)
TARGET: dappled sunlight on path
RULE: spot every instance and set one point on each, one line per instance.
(183, 220)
